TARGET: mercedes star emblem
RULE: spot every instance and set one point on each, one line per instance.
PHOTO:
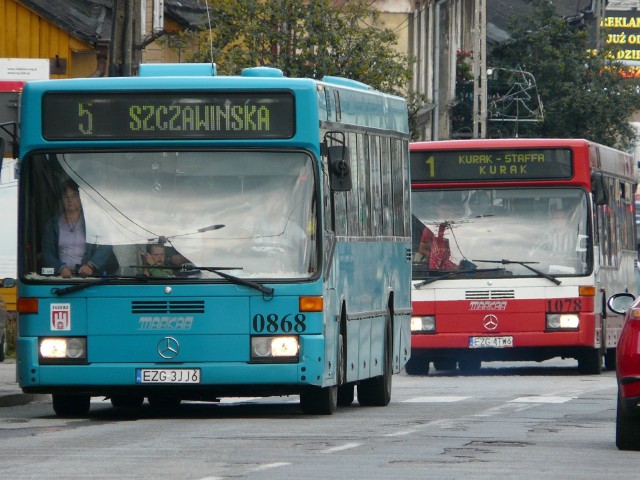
(490, 322)
(168, 348)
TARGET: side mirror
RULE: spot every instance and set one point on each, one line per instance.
(620, 302)
(339, 168)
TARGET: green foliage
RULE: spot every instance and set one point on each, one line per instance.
(584, 93)
(302, 38)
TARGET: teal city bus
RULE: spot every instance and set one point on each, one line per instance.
(185, 236)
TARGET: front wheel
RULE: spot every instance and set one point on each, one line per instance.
(71, 405)
(627, 429)
(320, 401)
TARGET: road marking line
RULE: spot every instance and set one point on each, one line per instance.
(438, 399)
(346, 446)
(400, 433)
(267, 466)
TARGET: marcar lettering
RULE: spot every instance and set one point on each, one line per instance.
(165, 323)
(488, 305)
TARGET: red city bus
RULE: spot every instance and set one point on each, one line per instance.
(516, 245)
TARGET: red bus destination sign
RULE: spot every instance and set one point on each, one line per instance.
(490, 165)
(176, 115)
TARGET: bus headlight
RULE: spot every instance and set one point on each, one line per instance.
(276, 349)
(562, 321)
(425, 324)
(63, 350)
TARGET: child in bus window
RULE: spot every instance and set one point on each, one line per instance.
(155, 258)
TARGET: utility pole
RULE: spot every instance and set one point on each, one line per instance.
(124, 49)
(480, 70)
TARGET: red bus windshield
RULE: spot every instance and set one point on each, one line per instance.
(471, 231)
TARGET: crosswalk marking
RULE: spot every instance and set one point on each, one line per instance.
(542, 399)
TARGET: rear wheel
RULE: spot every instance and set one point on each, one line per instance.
(610, 359)
(71, 405)
(590, 362)
(376, 391)
(627, 429)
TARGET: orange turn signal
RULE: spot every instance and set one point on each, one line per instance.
(587, 291)
(311, 304)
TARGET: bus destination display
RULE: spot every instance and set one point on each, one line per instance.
(490, 165)
(176, 115)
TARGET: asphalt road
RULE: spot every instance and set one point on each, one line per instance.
(540, 421)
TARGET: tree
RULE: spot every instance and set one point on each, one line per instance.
(303, 38)
(585, 94)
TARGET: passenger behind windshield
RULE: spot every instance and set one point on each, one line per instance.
(65, 251)
(435, 247)
(156, 259)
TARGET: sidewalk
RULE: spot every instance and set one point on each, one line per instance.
(10, 393)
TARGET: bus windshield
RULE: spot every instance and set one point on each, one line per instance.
(249, 213)
(500, 232)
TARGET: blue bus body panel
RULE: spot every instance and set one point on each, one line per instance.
(125, 324)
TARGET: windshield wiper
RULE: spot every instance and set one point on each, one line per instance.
(188, 269)
(455, 273)
(526, 265)
(100, 281)
(236, 280)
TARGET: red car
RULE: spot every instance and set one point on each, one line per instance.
(628, 372)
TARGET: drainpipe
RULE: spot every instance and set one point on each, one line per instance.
(436, 71)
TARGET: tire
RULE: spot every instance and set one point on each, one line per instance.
(417, 366)
(346, 394)
(590, 362)
(376, 391)
(71, 405)
(610, 359)
(627, 429)
(127, 401)
(320, 401)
